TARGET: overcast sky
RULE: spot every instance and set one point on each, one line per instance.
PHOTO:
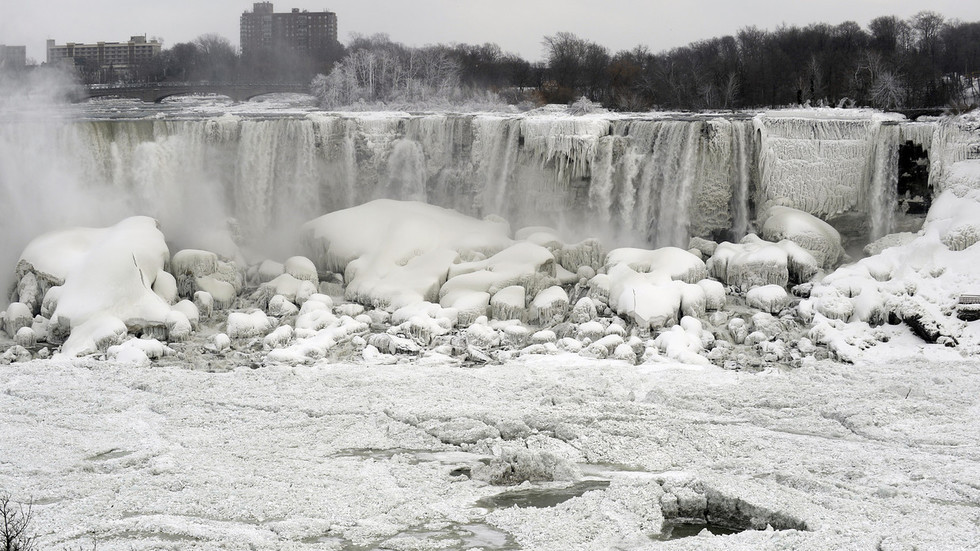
(516, 25)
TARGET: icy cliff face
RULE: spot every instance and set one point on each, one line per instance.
(844, 162)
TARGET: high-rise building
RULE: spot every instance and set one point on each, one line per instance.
(119, 55)
(13, 57)
(301, 31)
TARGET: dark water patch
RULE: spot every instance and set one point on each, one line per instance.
(540, 497)
(114, 453)
(730, 511)
(686, 528)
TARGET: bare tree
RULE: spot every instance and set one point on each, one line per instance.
(730, 89)
(14, 523)
(886, 91)
(927, 26)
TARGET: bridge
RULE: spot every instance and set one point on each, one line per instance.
(157, 92)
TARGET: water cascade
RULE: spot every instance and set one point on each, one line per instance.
(627, 179)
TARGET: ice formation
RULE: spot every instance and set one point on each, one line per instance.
(447, 276)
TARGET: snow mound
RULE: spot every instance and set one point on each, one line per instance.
(888, 241)
(807, 231)
(681, 265)
(964, 173)
(651, 300)
(394, 253)
(108, 273)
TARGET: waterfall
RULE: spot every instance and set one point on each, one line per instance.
(741, 168)
(883, 197)
(630, 180)
(406, 172)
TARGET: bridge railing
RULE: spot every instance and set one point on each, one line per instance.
(199, 84)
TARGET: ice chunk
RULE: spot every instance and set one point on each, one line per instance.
(482, 336)
(193, 263)
(706, 247)
(279, 337)
(26, 337)
(269, 270)
(750, 264)
(150, 349)
(178, 326)
(833, 305)
(281, 306)
(509, 303)
(592, 330)
(682, 343)
(888, 241)
(205, 303)
(397, 253)
(652, 300)
(222, 293)
(693, 299)
(190, 311)
(584, 311)
(165, 287)
(221, 342)
(544, 336)
(585, 254)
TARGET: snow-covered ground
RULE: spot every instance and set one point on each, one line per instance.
(882, 454)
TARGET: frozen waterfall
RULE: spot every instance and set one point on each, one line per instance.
(630, 179)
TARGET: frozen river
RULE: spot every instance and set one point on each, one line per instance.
(883, 454)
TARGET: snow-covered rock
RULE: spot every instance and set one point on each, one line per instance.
(807, 231)
(17, 315)
(679, 264)
(108, 274)
(243, 325)
(301, 268)
(714, 294)
(549, 305)
(768, 298)
(397, 252)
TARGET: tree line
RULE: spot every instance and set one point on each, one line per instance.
(923, 61)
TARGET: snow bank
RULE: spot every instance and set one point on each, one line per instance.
(917, 280)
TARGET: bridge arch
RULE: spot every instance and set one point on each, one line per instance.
(158, 98)
(251, 96)
(159, 92)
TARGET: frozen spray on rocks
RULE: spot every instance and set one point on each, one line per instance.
(392, 277)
